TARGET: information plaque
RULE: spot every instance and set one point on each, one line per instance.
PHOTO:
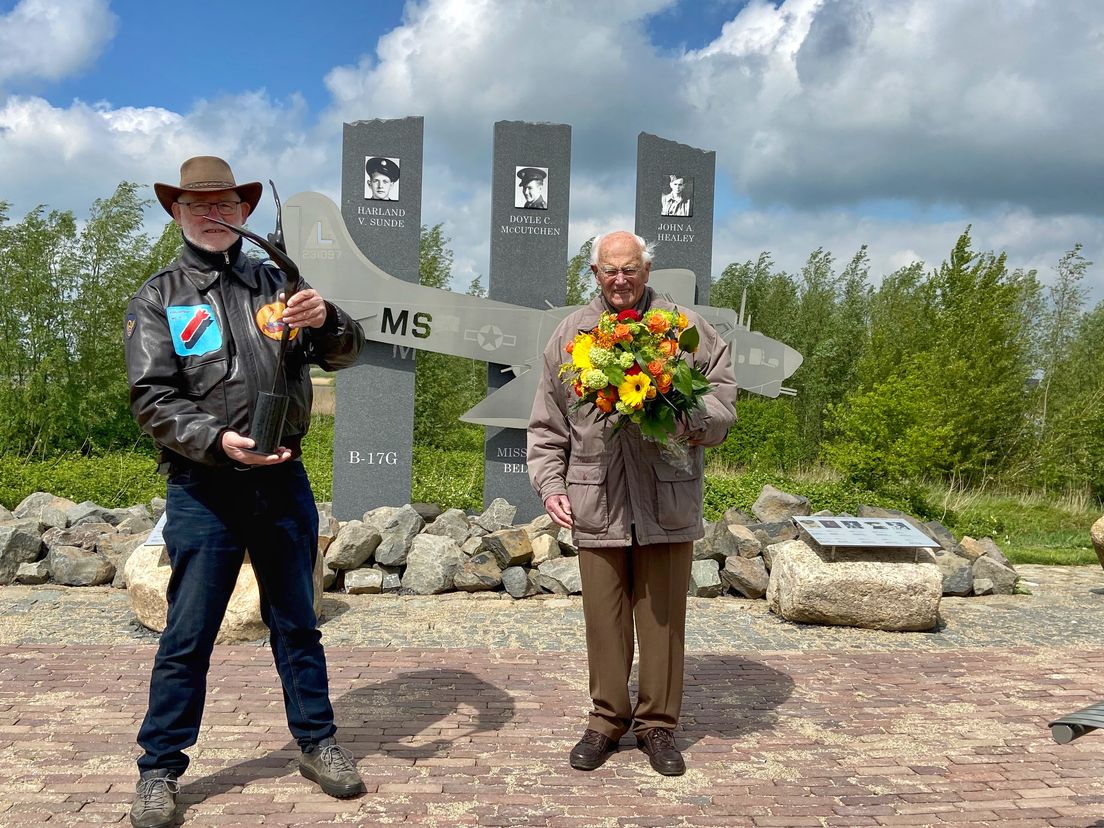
(854, 531)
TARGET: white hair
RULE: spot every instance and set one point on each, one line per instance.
(647, 249)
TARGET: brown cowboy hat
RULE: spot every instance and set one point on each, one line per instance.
(206, 173)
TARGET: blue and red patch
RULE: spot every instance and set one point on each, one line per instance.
(195, 329)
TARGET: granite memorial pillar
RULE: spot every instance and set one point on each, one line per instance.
(674, 206)
(530, 184)
(381, 202)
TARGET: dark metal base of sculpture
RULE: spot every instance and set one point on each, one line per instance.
(1075, 725)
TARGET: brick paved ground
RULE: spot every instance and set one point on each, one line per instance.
(827, 728)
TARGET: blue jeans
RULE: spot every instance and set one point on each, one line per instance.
(214, 515)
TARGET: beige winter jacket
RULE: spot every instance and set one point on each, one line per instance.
(619, 482)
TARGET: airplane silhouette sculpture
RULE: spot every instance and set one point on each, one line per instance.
(408, 315)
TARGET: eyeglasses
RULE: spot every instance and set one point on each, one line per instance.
(610, 272)
(202, 208)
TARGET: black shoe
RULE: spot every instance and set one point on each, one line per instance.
(331, 766)
(592, 751)
(659, 744)
(154, 803)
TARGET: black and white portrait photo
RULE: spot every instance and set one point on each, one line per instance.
(530, 194)
(678, 200)
(381, 178)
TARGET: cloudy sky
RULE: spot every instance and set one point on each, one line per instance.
(893, 123)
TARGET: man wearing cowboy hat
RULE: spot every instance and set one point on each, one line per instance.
(202, 337)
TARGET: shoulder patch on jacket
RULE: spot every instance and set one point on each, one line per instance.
(195, 329)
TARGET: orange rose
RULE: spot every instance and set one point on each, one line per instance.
(668, 347)
(651, 392)
(655, 367)
(664, 383)
(657, 323)
(605, 399)
(621, 333)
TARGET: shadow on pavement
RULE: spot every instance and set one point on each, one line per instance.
(391, 712)
(729, 696)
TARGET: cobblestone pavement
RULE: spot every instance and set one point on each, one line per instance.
(461, 711)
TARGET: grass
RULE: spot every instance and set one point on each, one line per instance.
(1029, 528)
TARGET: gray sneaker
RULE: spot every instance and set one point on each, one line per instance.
(154, 802)
(331, 766)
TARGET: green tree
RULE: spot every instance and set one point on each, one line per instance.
(581, 287)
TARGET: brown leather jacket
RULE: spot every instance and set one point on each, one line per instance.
(620, 484)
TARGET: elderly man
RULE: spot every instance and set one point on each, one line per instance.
(634, 518)
(201, 338)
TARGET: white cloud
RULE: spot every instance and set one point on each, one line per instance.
(822, 113)
(52, 39)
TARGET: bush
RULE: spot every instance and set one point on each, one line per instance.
(112, 480)
(765, 436)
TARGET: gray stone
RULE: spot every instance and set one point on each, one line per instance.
(991, 550)
(156, 508)
(970, 548)
(567, 542)
(769, 533)
(392, 577)
(429, 511)
(774, 505)
(363, 581)
(880, 596)
(17, 546)
(717, 544)
(84, 535)
(452, 524)
(379, 517)
(939, 533)
(46, 508)
(117, 548)
(134, 525)
(511, 546)
(542, 524)
(476, 531)
(746, 576)
(5, 513)
(373, 432)
(329, 576)
(498, 515)
(354, 544)
(1003, 577)
(328, 528)
(36, 572)
(73, 566)
(563, 572)
(747, 544)
(1096, 535)
(958, 575)
(738, 517)
(984, 586)
(398, 535)
(478, 573)
(431, 564)
(518, 583)
(119, 515)
(472, 546)
(545, 548)
(89, 512)
(705, 579)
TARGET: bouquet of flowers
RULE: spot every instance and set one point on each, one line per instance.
(632, 368)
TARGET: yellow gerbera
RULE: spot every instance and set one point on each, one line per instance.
(634, 389)
(580, 354)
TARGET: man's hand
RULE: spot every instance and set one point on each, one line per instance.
(234, 445)
(305, 309)
(559, 509)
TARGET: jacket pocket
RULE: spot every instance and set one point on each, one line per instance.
(586, 490)
(678, 496)
(198, 380)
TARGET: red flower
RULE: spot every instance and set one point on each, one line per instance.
(633, 371)
(627, 315)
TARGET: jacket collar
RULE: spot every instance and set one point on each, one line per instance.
(203, 267)
(640, 307)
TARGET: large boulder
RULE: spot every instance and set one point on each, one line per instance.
(18, 545)
(879, 596)
(363, 581)
(432, 564)
(477, 573)
(73, 566)
(561, 576)
(545, 548)
(354, 544)
(519, 582)
(746, 576)
(775, 506)
(397, 535)
(147, 578)
(705, 579)
(512, 547)
(1096, 533)
(957, 574)
(1003, 578)
(46, 508)
(452, 523)
(499, 515)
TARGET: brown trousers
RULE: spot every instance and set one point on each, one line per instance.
(645, 584)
